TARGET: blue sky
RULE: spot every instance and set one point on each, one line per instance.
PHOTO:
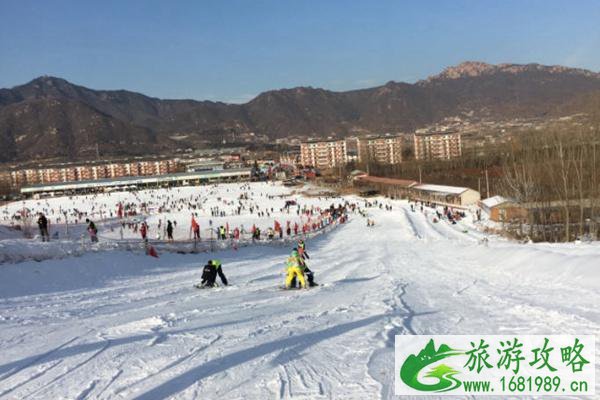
(232, 50)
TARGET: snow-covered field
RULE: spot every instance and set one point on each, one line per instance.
(220, 204)
(118, 324)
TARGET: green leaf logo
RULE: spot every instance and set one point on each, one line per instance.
(409, 372)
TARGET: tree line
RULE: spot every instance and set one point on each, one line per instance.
(551, 176)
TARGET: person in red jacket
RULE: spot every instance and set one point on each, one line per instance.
(195, 228)
(144, 230)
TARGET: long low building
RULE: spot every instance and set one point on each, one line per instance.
(391, 187)
(445, 195)
(405, 188)
(177, 179)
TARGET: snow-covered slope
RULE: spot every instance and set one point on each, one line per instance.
(116, 324)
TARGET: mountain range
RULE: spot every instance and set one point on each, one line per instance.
(51, 118)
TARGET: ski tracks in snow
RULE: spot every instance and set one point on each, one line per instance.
(153, 335)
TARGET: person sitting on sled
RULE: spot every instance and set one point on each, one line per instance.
(295, 266)
(310, 277)
(209, 274)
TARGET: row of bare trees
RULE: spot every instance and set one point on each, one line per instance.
(552, 176)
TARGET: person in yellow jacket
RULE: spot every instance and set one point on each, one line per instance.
(295, 269)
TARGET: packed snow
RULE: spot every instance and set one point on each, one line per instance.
(105, 321)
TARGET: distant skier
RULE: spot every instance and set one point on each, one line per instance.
(210, 272)
(144, 231)
(92, 230)
(169, 230)
(43, 225)
(195, 228)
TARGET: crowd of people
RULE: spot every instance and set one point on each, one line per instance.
(156, 214)
(452, 215)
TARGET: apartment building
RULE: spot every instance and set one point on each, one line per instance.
(381, 149)
(26, 177)
(5, 180)
(324, 154)
(83, 173)
(99, 172)
(437, 145)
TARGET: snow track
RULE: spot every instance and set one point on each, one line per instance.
(126, 326)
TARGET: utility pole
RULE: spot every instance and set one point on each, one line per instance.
(487, 183)
(66, 224)
(210, 223)
(367, 156)
(420, 180)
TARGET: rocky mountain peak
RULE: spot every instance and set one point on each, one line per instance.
(474, 69)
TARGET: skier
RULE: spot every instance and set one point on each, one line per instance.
(209, 274)
(144, 230)
(43, 225)
(195, 229)
(92, 230)
(294, 270)
(169, 230)
(310, 277)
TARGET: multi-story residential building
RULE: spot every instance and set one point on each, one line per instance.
(99, 172)
(18, 178)
(116, 170)
(32, 176)
(91, 172)
(437, 145)
(133, 169)
(154, 167)
(5, 181)
(324, 154)
(83, 173)
(66, 175)
(55, 175)
(381, 149)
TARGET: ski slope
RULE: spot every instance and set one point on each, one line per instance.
(121, 325)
